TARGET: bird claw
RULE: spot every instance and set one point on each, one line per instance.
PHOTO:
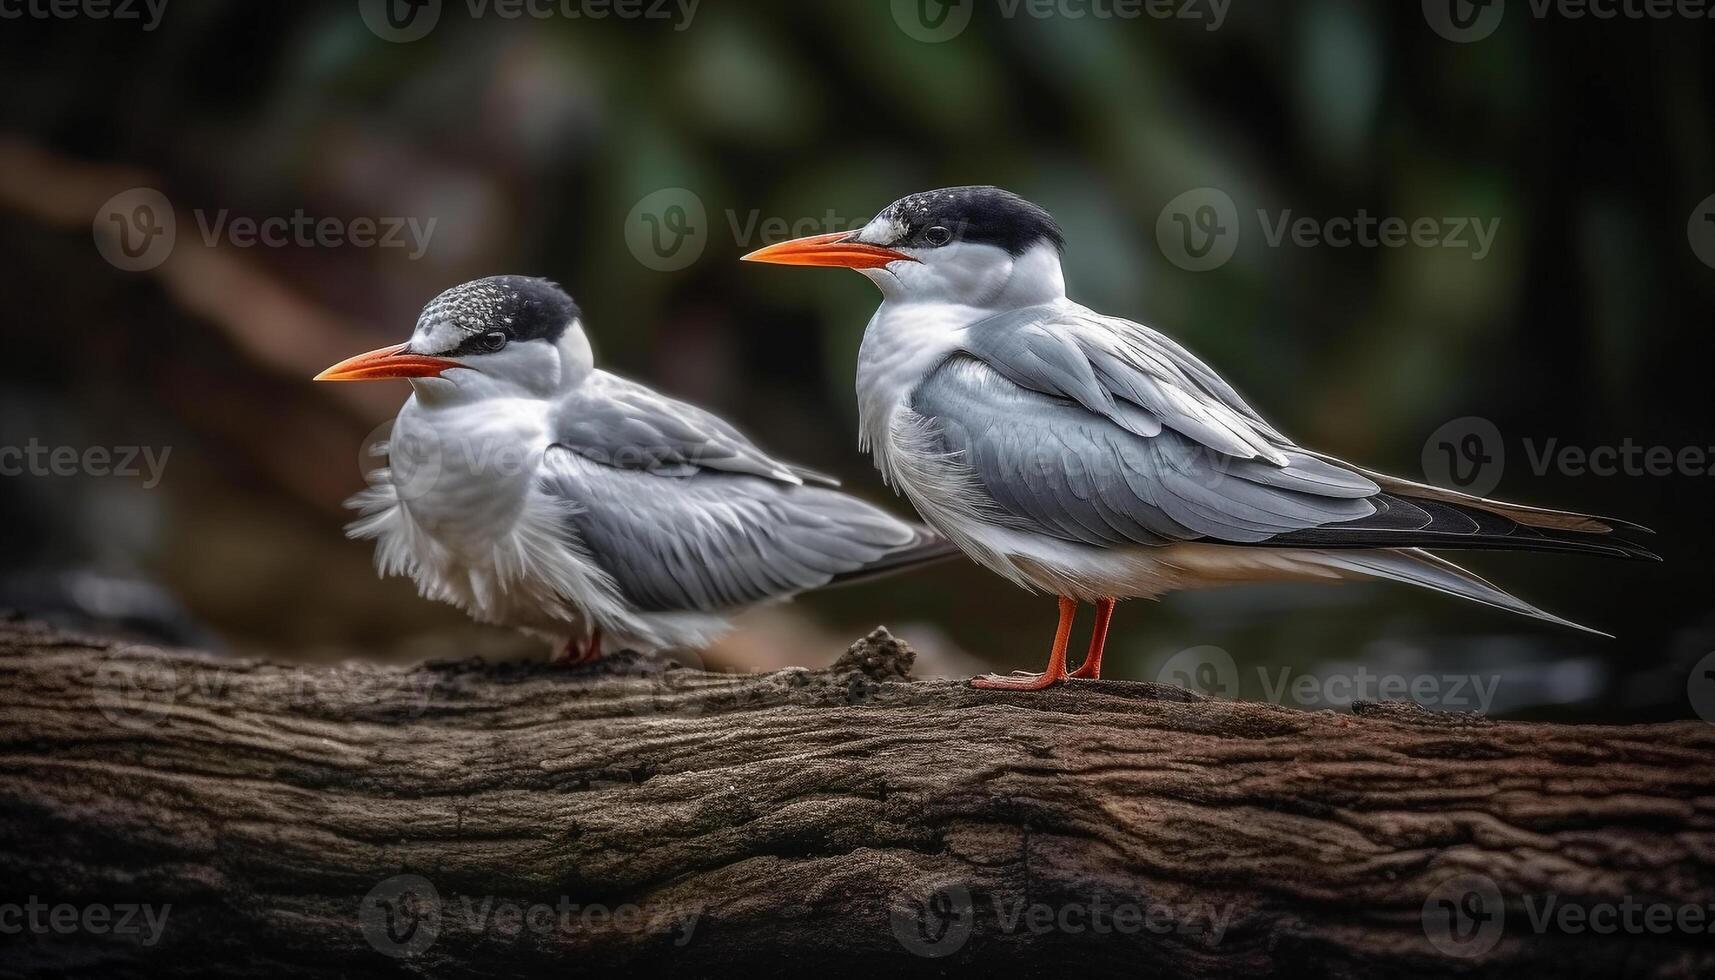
(1014, 682)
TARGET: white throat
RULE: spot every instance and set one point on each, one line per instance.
(926, 307)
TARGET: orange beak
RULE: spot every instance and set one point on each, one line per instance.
(828, 250)
(388, 362)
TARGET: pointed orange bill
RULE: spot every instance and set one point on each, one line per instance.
(388, 362)
(828, 250)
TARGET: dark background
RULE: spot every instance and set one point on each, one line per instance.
(532, 142)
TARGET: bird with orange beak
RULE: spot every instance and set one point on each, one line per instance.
(1096, 459)
(534, 490)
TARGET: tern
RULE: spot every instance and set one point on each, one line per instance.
(534, 490)
(1095, 459)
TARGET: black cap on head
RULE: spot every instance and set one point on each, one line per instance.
(987, 215)
(521, 307)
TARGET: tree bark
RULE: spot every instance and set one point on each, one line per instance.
(476, 819)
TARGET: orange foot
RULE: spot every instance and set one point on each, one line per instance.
(1056, 672)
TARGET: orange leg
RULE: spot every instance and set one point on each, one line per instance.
(1092, 665)
(1056, 671)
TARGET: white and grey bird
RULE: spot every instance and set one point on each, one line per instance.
(1095, 458)
(533, 490)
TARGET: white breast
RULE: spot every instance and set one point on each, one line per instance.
(903, 343)
(460, 509)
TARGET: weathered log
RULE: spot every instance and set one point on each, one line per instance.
(501, 819)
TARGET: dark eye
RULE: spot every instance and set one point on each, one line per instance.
(493, 341)
(938, 235)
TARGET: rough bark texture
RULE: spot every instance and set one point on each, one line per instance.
(843, 821)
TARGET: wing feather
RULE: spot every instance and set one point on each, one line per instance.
(1101, 430)
(1082, 476)
(715, 540)
(620, 423)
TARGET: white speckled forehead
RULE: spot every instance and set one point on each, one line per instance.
(524, 308)
(469, 308)
(883, 229)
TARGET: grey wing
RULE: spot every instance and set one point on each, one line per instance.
(712, 540)
(622, 423)
(1102, 429)
(1077, 474)
(1127, 373)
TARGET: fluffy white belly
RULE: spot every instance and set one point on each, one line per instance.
(467, 519)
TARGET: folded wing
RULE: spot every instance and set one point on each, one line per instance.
(625, 424)
(686, 514)
(1101, 430)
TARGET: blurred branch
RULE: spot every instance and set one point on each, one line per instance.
(276, 329)
(812, 815)
(275, 325)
